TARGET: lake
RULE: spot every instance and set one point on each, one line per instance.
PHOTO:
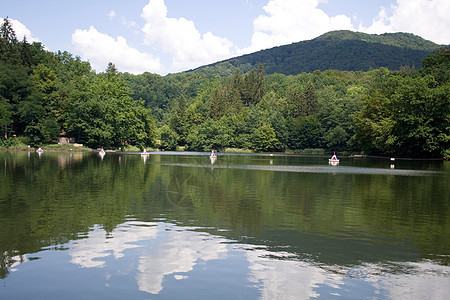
(245, 226)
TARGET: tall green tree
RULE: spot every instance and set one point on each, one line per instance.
(310, 99)
(5, 116)
(8, 43)
(253, 86)
(178, 121)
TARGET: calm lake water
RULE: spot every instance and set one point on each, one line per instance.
(178, 226)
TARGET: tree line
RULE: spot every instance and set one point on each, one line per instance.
(44, 95)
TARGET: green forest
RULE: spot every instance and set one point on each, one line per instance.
(45, 95)
(342, 50)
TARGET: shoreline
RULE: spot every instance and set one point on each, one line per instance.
(313, 153)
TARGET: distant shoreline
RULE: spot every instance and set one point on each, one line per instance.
(231, 151)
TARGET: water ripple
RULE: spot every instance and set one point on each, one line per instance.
(315, 169)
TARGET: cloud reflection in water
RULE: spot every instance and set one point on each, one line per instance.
(163, 250)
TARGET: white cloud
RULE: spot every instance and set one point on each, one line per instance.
(426, 18)
(164, 251)
(283, 22)
(112, 14)
(100, 49)
(93, 251)
(180, 252)
(181, 39)
(288, 21)
(129, 24)
(21, 31)
(284, 277)
(425, 280)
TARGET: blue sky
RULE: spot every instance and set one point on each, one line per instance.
(168, 36)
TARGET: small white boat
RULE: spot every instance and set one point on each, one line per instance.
(39, 150)
(101, 152)
(212, 155)
(145, 152)
(333, 160)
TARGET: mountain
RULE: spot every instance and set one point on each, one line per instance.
(339, 50)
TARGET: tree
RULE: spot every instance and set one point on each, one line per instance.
(111, 70)
(8, 43)
(438, 65)
(373, 131)
(102, 114)
(421, 118)
(337, 138)
(218, 103)
(264, 139)
(310, 99)
(408, 116)
(306, 133)
(5, 115)
(178, 120)
(209, 135)
(295, 101)
(168, 138)
(252, 89)
(225, 99)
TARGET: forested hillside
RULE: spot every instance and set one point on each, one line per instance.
(44, 95)
(337, 50)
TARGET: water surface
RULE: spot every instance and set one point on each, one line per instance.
(179, 226)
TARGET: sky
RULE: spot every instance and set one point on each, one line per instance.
(170, 36)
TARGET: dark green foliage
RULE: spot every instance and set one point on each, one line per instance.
(8, 44)
(306, 133)
(264, 139)
(337, 50)
(438, 66)
(406, 116)
(178, 121)
(209, 135)
(168, 138)
(310, 100)
(252, 86)
(102, 114)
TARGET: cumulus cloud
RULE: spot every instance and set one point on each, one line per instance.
(100, 49)
(180, 38)
(283, 22)
(22, 31)
(426, 18)
(287, 21)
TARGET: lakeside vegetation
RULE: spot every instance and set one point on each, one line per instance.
(45, 95)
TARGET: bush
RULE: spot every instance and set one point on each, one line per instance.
(8, 142)
(446, 154)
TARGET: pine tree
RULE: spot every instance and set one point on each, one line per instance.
(310, 97)
(8, 43)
